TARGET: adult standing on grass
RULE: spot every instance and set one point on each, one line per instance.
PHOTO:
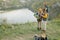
(45, 16)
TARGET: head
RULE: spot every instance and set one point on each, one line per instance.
(45, 3)
(40, 10)
(44, 10)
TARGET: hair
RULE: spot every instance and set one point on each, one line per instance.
(40, 10)
(44, 10)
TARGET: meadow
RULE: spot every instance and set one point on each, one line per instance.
(28, 30)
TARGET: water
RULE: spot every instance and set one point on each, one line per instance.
(18, 16)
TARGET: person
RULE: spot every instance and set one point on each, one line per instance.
(46, 6)
(44, 19)
(40, 11)
(39, 18)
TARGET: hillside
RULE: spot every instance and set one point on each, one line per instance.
(28, 30)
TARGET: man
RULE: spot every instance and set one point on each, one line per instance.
(39, 18)
(46, 6)
(44, 18)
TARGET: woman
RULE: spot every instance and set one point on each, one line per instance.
(39, 20)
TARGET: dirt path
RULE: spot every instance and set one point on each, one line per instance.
(21, 37)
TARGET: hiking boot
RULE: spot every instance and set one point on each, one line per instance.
(38, 28)
(44, 31)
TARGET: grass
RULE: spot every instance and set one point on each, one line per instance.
(28, 30)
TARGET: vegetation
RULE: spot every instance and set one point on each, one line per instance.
(33, 5)
(28, 30)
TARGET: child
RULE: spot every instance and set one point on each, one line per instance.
(40, 11)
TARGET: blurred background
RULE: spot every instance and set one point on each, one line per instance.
(15, 12)
(33, 5)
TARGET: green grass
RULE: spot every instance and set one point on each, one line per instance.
(28, 30)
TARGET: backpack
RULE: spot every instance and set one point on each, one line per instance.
(45, 15)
